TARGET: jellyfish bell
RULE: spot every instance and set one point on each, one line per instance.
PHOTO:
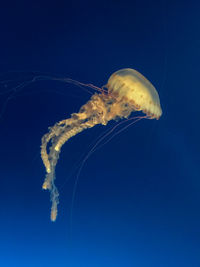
(134, 88)
(128, 91)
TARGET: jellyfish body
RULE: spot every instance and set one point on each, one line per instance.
(134, 88)
(128, 91)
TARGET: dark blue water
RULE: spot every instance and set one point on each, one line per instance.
(137, 200)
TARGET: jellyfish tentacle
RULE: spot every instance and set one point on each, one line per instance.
(53, 131)
(92, 113)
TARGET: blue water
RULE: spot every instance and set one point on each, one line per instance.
(137, 200)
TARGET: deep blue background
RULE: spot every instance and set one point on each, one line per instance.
(138, 197)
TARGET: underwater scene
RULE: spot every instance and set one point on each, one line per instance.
(99, 127)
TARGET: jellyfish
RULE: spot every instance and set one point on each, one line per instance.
(125, 92)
